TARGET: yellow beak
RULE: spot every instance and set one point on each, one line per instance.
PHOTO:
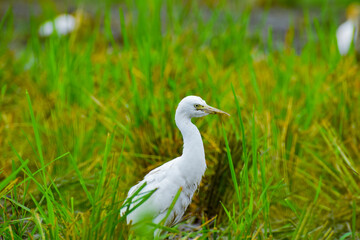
(212, 110)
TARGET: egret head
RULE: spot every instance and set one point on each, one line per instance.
(353, 11)
(193, 106)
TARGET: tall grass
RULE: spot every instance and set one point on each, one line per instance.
(83, 117)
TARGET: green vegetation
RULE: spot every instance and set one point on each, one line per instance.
(84, 117)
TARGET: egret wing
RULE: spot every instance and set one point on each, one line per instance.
(153, 181)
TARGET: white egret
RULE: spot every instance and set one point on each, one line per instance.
(347, 33)
(64, 24)
(184, 172)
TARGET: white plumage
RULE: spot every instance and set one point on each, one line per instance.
(64, 24)
(183, 172)
(345, 35)
(347, 32)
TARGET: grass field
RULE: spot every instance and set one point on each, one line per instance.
(86, 116)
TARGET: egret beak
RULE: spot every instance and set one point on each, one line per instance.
(212, 110)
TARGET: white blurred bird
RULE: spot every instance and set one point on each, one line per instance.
(348, 32)
(63, 24)
(182, 174)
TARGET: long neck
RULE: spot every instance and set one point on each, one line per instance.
(193, 155)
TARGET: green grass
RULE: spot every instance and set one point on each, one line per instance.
(84, 117)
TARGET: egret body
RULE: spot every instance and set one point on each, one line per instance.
(347, 33)
(64, 24)
(184, 172)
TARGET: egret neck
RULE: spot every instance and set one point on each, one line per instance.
(193, 156)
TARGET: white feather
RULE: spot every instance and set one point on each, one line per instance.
(345, 36)
(64, 24)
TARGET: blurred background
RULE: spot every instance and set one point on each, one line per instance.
(279, 15)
